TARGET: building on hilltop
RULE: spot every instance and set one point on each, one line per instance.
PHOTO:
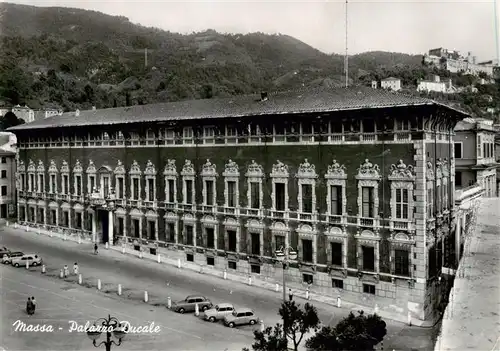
(475, 160)
(24, 112)
(358, 182)
(436, 85)
(454, 62)
(391, 83)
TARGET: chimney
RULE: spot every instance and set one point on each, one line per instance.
(77, 112)
(263, 96)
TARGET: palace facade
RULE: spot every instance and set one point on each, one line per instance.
(358, 182)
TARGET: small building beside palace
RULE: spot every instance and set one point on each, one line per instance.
(358, 182)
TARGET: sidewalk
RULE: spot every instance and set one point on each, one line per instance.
(472, 317)
(206, 270)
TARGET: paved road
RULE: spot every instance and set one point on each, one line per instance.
(162, 281)
(59, 302)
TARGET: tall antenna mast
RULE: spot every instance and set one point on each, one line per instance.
(346, 58)
(497, 43)
(146, 57)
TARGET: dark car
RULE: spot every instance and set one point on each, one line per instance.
(7, 258)
(190, 302)
(4, 251)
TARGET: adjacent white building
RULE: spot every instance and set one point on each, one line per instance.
(391, 83)
(436, 85)
(24, 112)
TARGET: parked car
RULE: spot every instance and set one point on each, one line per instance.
(218, 312)
(34, 260)
(7, 258)
(189, 303)
(241, 316)
(4, 251)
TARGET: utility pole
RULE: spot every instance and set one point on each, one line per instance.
(346, 58)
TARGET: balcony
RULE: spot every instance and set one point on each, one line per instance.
(402, 136)
(208, 208)
(335, 219)
(134, 202)
(169, 205)
(279, 214)
(186, 207)
(367, 222)
(77, 198)
(400, 224)
(151, 204)
(368, 137)
(231, 210)
(63, 197)
(303, 216)
(253, 212)
(50, 196)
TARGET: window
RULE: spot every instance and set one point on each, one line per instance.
(65, 189)
(79, 220)
(368, 126)
(458, 179)
(369, 289)
(151, 189)
(32, 182)
(307, 198)
(279, 133)
(255, 244)
(231, 194)
(152, 230)
(135, 189)
(231, 236)
(402, 125)
(254, 133)
(208, 135)
(368, 258)
(306, 132)
(458, 150)
(479, 147)
(66, 218)
(4, 174)
(169, 137)
(78, 182)
(280, 196)
(92, 183)
(121, 226)
(209, 189)
(171, 232)
(307, 250)
(121, 185)
(4, 190)
(171, 190)
(402, 262)
(307, 278)
(338, 283)
(53, 217)
(402, 203)
(23, 181)
(336, 249)
(368, 202)
(189, 192)
(231, 135)
(280, 241)
(254, 195)
(255, 268)
(4, 160)
(210, 261)
(231, 264)
(41, 183)
(210, 238)
(105, 185)
(190, 258)
(189, 235)
(336, 200)
(187, 135)
(485, 150)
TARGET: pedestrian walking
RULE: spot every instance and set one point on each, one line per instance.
(66, 270)
(290, 294)
(75, 269)
(95, 249)
(29, 307)
(33, 301)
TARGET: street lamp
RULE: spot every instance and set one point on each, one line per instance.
(112, 327)
(284, 256)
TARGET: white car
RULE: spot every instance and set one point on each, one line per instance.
(218, 312)
(7, 258)
(34, 260)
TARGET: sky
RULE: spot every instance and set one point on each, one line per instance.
(392, 25)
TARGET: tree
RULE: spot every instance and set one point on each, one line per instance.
(10, 120)
(297, 322)
(271, 339)
(361, 332)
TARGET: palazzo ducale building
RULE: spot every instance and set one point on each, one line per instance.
(357, 182)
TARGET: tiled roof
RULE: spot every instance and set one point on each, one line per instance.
(291, 102)
(390, 78)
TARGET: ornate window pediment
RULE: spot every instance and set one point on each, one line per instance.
(429, 171)
(91, 169)
(40, 168)
(120, 168)
(254, 170)
(402, 172)
(53, 167)
(368, 171)
(135, 169)
(150, 169)
(170, 168)
(21, 167)
(31, 166)
(208, 169)
(231, 170)
(335, 232)
(78, 167)
(336, 171)
(65, 167)
(306, 170)
(279, 170)
(188, 169)
(402, 240)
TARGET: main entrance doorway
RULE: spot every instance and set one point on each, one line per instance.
(103, 222)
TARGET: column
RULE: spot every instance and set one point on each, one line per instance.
(36, 214)
(156, 228)
(110, 228)
(18, 213)
(458, 234)
(45, 210)
(70, 224)
(94, 227)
